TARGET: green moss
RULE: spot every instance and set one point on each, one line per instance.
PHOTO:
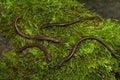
(90, 62)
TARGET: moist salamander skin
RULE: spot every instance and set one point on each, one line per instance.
(77, 44)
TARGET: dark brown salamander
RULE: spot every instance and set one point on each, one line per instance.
(76, 45)
(33, 37)
(69, 23)
(40, 46)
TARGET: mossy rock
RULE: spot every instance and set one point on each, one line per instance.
(91, 60)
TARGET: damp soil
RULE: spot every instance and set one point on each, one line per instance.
(105, 8)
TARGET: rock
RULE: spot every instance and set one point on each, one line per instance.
(5, 45)
(106, 8)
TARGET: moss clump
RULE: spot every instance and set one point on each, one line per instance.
(91, 61)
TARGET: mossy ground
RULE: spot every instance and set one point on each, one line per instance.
(91, 60)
